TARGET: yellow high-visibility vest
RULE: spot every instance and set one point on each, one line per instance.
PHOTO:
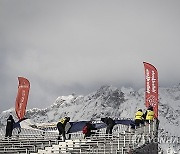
(62, 120)
(139, 115)
(150, 115)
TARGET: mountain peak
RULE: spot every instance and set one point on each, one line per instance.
(108, 101)
(107, 87)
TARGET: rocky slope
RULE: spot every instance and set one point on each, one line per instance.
(113, 102)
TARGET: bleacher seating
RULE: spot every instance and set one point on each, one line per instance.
(123, 140)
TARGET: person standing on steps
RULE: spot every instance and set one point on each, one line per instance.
(139, 117)
(149, 114)
(87, 129)
(61, 127)
(110, 124)
(9, 126)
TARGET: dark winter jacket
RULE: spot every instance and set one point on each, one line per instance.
(108, 121)
(62, 122)
(90, 127)
(10, 123)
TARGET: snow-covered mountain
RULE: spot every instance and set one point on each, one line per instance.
(113, 102)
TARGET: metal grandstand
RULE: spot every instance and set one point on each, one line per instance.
(124, 140)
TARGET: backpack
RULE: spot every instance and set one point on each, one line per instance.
(85, 130)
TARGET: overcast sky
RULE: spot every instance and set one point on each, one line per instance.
(76, 46)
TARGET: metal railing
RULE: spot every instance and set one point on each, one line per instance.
(123, 140)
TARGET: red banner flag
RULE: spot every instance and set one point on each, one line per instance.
(22, 97)
(151, 87)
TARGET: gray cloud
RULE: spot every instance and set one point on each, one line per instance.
(76, 46)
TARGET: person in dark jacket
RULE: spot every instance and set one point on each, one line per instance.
(110, 124)
(88, 129)
(9, 126)
(61, 127)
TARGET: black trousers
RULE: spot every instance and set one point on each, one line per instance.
(109, 129)
(61, 130)
(88, 134)
(138, 122)
(8, 132)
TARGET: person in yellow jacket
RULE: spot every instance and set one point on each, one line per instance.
(61, 127)
(139, 117)
(149, 114)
